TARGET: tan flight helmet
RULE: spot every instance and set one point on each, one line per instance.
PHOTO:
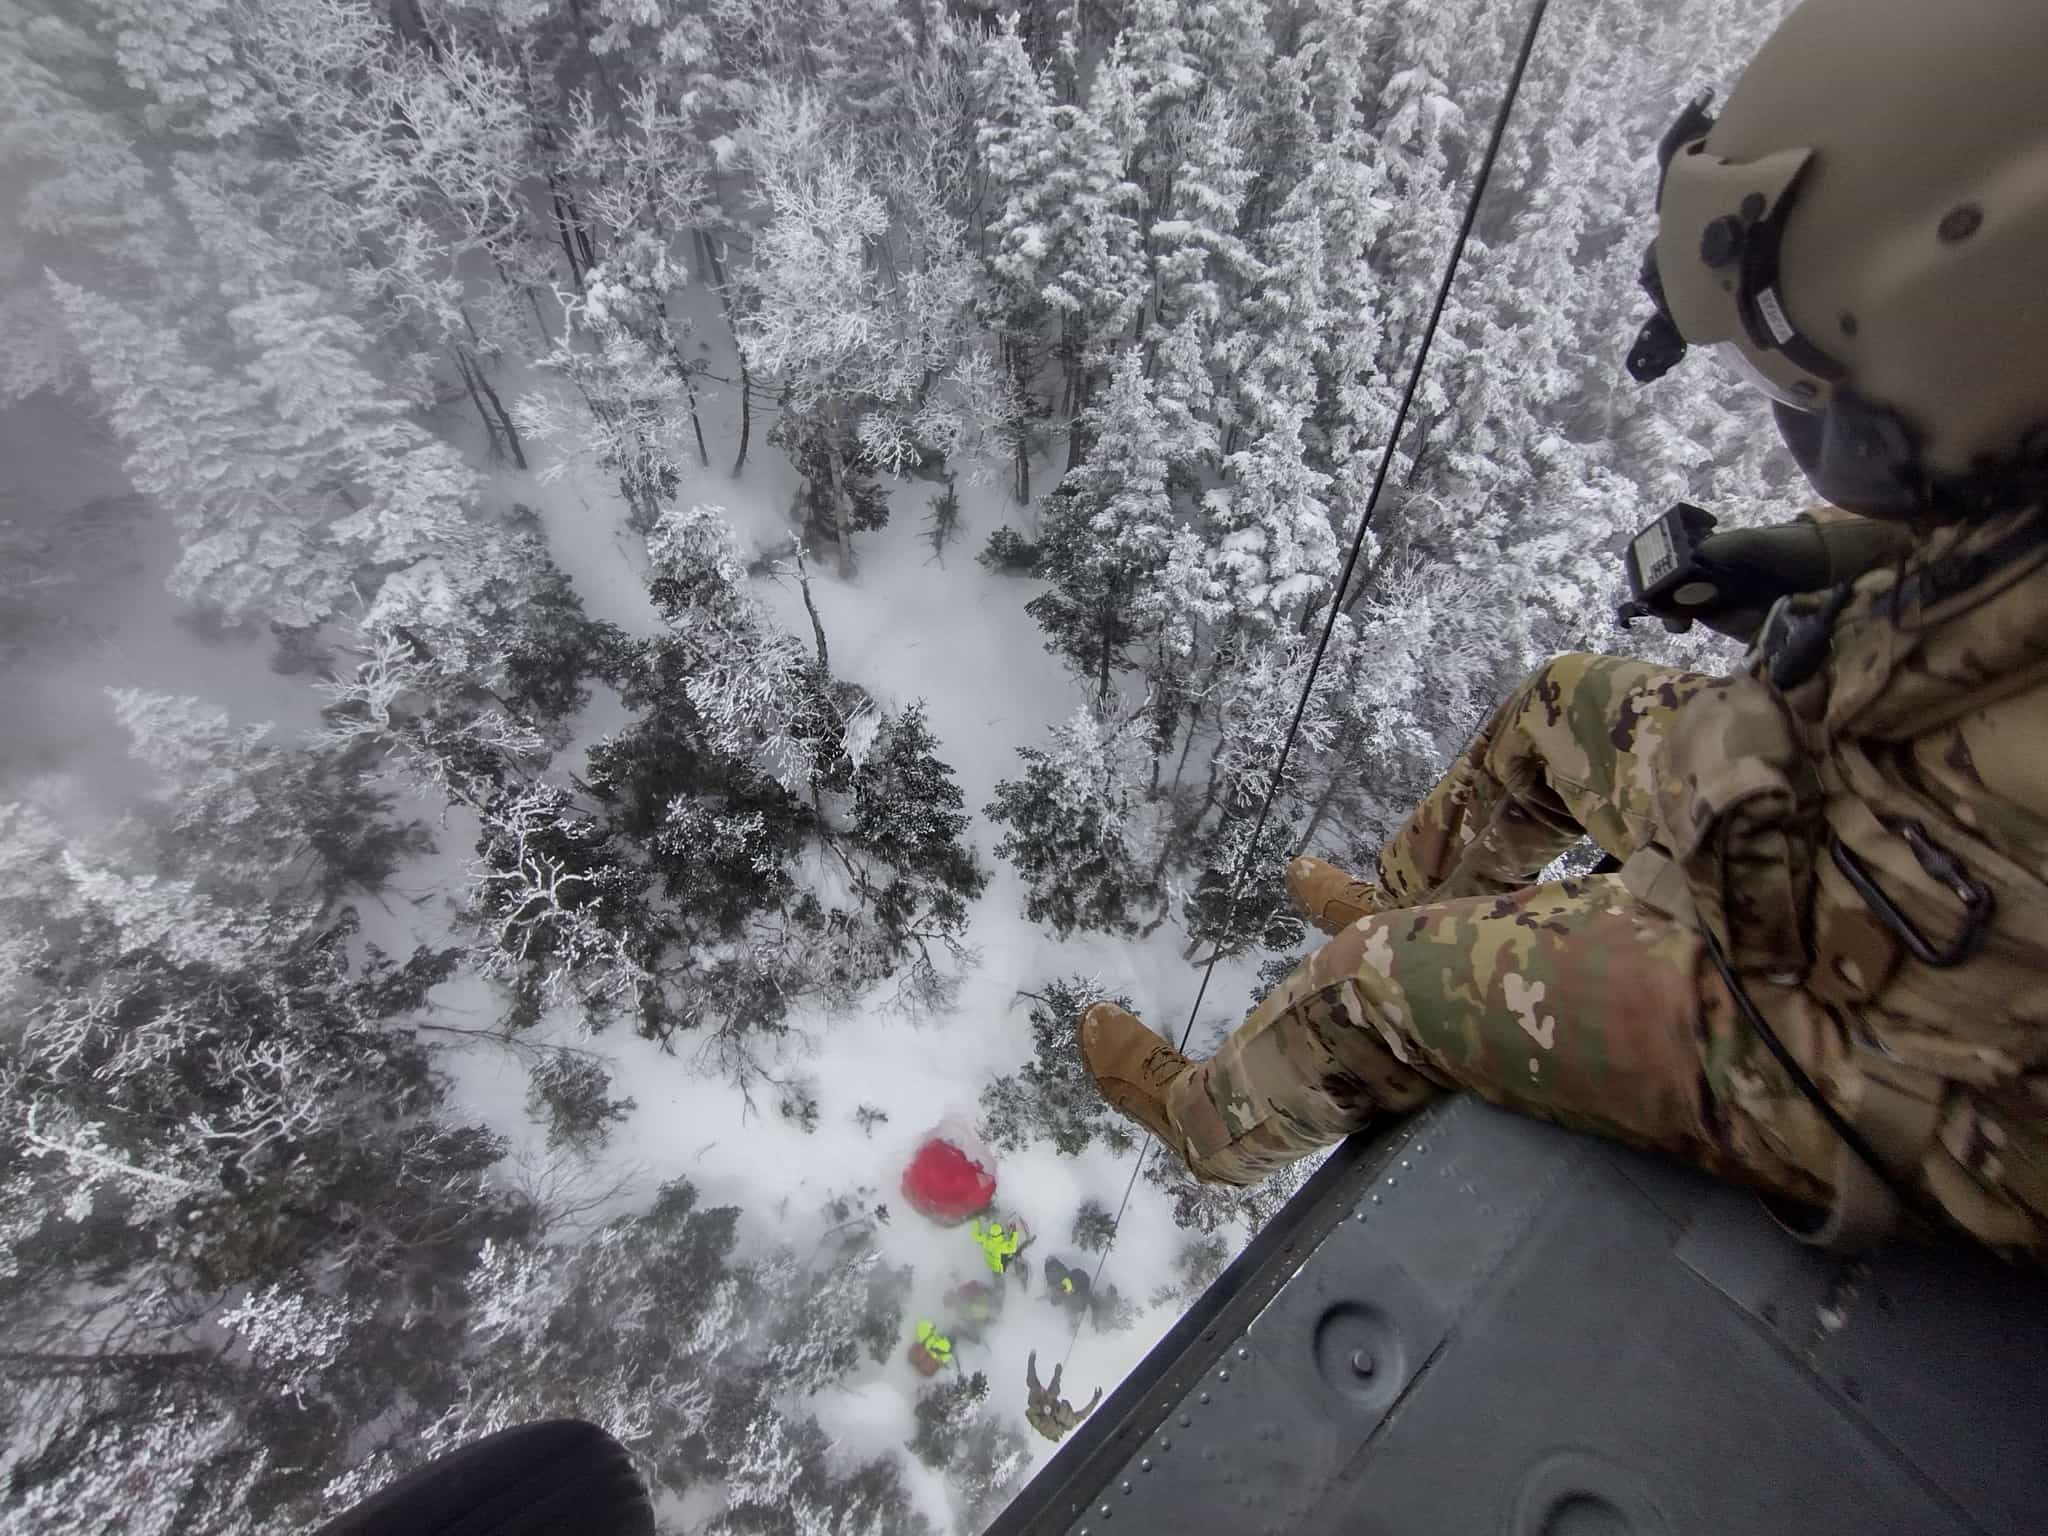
(1863, 231)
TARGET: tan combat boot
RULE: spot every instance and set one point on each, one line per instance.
(1331, 899)
(1132, 1066)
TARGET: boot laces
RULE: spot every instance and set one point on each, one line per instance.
(1161, 1063)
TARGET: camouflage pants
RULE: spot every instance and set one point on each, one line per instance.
(1570, 1001)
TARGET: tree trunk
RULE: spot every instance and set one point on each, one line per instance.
(1419, 436)
(746, 416)
(717, 267)
(1361, 583)
(1200, 695)
(696, 426)
(1070, 365)
(803, 580)
(575, 234)
(1184, 833)
(582, 229)
(1211, 798)
(1326, 799)
(1109, 617)
(464, 367)
(1014, 345)
(505, 278)
(1187, 745)
(505, 422)
(562, 230)
(1077, 436)
(840, 520)
(682, 368)
(708, 251)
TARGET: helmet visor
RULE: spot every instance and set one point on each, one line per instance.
(1733, 357)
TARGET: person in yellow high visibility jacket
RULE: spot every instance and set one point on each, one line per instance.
(934, 1347)
(999, 1244)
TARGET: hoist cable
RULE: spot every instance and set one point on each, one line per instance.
(1372, 501)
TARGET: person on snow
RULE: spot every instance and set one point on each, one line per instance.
(1075, 1293)
(1000, 1245)
(1044, 1409)
(1067, 1289)
(1822, 968)
(930, 1350)
(974, 1304)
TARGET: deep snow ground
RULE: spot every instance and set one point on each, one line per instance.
(907, 627)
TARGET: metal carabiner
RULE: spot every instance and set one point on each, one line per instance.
(1978, 901)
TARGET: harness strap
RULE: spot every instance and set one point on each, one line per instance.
(1897, 1121)
(1653, 877)
(1937, 582)
(1897, 1116)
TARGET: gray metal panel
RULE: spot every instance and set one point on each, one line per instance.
(1672, 1188)
(1364, 1333)
(1456, 1198)
(1242, 1453)
(1178, 1403)
(1793, 1290)
(1566, 1337)
(1260, 1433)
(1601, 1384)
(1372, 1309)
(1946, 1356)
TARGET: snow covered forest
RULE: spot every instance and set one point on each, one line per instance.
(610, 609)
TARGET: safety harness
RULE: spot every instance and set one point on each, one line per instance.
(1881, 1171)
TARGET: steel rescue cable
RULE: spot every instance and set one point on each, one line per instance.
(1372, 500)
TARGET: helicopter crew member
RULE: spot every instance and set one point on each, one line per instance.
(1822, 967)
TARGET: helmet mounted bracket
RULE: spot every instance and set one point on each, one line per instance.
(1719, 228)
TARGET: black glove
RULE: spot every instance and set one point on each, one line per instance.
(1729, 580)
(1749, 569)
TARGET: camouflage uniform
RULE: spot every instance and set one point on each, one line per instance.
(1044, 1409)
(1581, 1003)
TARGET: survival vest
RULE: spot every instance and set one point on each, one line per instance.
(997, 1245)
(1865, 813)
